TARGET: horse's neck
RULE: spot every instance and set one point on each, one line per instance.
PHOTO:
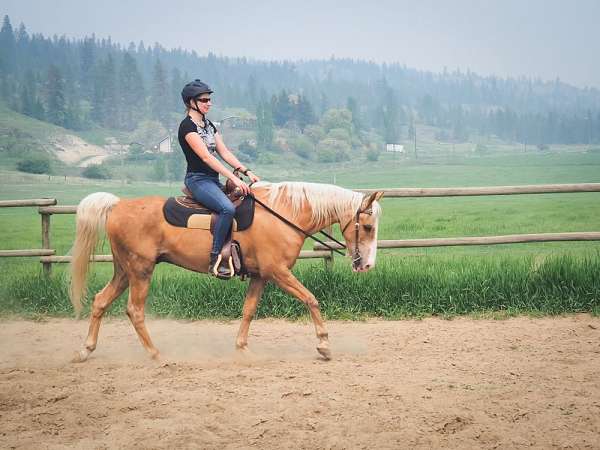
(323, 224)
(305, 220)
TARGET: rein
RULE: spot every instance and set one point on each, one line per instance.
(297, 228)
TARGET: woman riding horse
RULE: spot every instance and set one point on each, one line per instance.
(140, 238)
(200, 140)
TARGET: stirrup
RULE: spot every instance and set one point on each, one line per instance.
(224, 273)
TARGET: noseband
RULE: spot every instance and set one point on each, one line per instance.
(356, 257)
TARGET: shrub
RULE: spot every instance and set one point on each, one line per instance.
(35, 164)
(325, 155)
(481, 149)
(340, 134)
(248, 149)
(314, 132)
(265, 158)
(302, 146)
(96, 171)
(372, 154)
(543, 147)
(333, 148)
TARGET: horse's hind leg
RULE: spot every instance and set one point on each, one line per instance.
(138, 291)
(289, 283)
(255, 290)
(102, 301)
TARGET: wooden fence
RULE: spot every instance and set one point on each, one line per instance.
(48, 207)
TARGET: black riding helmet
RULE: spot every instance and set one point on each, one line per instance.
(193, 89)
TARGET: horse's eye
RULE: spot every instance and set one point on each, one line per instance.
(368, 227)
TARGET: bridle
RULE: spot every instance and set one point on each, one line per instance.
(356, 256)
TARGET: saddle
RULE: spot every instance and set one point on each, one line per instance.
(185, 212)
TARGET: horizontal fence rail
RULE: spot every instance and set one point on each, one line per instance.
(48, 207)
(32, 202)
(479, 240)
(31, 252)
(488, 190)
(68, 209)
(304, 254)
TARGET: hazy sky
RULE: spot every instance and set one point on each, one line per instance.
(541, 38)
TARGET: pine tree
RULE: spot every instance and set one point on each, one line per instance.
(87, 51)
(251, 92)
(264, 126)
(352, 106)
(391, 125)
(22, 44)
(280, 108)
(131, 98)
(159, 99)
(28, 95)
(98, 92)
(304, 113)
(111, 102)
(176, 85)
(57, 108)
(8, 47)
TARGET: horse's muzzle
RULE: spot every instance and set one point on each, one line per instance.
(358, 266)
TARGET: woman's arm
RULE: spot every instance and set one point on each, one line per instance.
(230, 158)
(226, 154)
(199, 148)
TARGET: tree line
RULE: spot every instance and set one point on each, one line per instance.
(92, 82)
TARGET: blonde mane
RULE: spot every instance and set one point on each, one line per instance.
(327, 202)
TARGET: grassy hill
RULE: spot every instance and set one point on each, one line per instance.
(24, 137)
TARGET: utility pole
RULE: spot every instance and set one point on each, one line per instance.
(121, 146)
(416, 155)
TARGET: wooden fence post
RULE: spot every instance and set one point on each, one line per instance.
(46, 241)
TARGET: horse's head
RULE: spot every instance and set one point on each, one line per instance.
(360, 233)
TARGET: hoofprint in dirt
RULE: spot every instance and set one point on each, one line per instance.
(409, 384)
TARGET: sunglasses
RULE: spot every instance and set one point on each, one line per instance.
(203, 100)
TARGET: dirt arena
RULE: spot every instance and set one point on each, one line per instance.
(410, 384)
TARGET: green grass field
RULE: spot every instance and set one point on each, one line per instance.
(523, 278)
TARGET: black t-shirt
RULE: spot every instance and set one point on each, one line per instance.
(207, 133)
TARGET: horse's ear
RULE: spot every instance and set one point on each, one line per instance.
(368, 201)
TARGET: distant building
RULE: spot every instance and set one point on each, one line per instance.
(242, 123)
(164, 146)
(397, 148)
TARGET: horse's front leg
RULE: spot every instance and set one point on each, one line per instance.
(290, 284)
(255, 290)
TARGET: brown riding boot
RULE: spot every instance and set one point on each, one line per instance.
(219, 268)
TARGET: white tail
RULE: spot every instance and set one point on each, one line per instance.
(92, 213)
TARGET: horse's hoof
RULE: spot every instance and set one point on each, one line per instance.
(243, 351)
(325, 352)
(80, 356)
(156, 356)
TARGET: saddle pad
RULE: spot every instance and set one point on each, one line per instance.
(179, 213)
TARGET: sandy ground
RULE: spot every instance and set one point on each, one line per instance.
(410, 384)
(72, 149)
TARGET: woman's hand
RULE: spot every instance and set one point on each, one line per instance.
(253, 178)
(239, 184)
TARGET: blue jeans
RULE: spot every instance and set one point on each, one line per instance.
(206, 189)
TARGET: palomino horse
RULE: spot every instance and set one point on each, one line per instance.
(140, 238)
